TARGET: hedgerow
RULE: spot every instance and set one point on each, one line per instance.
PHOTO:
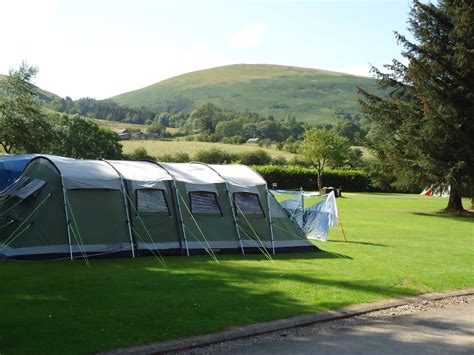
(295, 177)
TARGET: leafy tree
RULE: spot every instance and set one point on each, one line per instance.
(156, 127)
(229, 128)
(84, 139)
(24, 126)
(322, 148)
(206, 117)
(424, 126)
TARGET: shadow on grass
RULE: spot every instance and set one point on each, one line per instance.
(320, 255)
(124, 302)
(361, 243)
(469, 218)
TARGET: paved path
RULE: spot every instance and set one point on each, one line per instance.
(438, 327)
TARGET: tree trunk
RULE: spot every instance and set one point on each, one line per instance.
(455, 201)
(320, 181)
(472, 203)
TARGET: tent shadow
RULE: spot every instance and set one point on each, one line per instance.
(192, 295)
(362, 243)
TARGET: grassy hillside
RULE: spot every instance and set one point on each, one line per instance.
(156, 148)
(311, 95)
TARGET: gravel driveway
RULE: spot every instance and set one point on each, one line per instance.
(429, 327)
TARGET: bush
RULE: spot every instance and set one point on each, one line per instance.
(281, 161)
(139, 154)
(294, 177)
(174, 158)
(256, 157)
(207, 137)
(214, 156)
(233, 140)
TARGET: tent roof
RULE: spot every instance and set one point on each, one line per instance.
(239, 175)
(15, 163)
(11, 167)
(86, 174)
(193, 173)
(140, 170)
(89, 174)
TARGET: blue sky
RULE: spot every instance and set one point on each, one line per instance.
(103, 48)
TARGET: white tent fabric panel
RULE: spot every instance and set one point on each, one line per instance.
(197, 177)
(86, 174)
(240, 178)
(142, 174)
(193, 173)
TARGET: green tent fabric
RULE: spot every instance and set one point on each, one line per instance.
(68, 208)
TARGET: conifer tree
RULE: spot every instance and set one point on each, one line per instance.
(424, 126)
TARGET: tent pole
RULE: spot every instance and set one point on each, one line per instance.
(234, 212)
(175, 186)
(125, 203)
(180, 213)
(67, 219)
(127, 211)
(270, 221)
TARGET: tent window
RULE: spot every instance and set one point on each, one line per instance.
(151, 201)
(247, 203)
(204, 203)
(25, 187)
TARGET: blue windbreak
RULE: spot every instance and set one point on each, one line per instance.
(11, 167)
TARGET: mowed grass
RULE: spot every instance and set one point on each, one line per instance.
(157, 147)
(397, 245)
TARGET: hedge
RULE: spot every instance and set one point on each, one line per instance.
(295, 177)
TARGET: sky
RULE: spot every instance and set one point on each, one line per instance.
(102, 48)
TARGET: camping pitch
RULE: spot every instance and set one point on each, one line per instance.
(67, 208)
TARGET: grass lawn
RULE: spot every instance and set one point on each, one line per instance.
(156, 147)
(398, 245)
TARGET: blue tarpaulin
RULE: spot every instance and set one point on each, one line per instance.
(11, 167)
(314, 220)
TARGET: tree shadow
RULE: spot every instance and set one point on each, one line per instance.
(458, 218)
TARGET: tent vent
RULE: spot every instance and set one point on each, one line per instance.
(25, 187)
(247, 203)
(151, 201)
(204, 203)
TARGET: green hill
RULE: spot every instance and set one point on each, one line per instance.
(44, 96)
(312, 95)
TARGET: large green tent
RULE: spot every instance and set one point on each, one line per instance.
(63, 207)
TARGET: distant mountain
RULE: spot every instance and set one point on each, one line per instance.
(311, 95)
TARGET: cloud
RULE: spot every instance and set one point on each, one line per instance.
(250, 36)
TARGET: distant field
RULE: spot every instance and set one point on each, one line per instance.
(156, 148)
(116, 125)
